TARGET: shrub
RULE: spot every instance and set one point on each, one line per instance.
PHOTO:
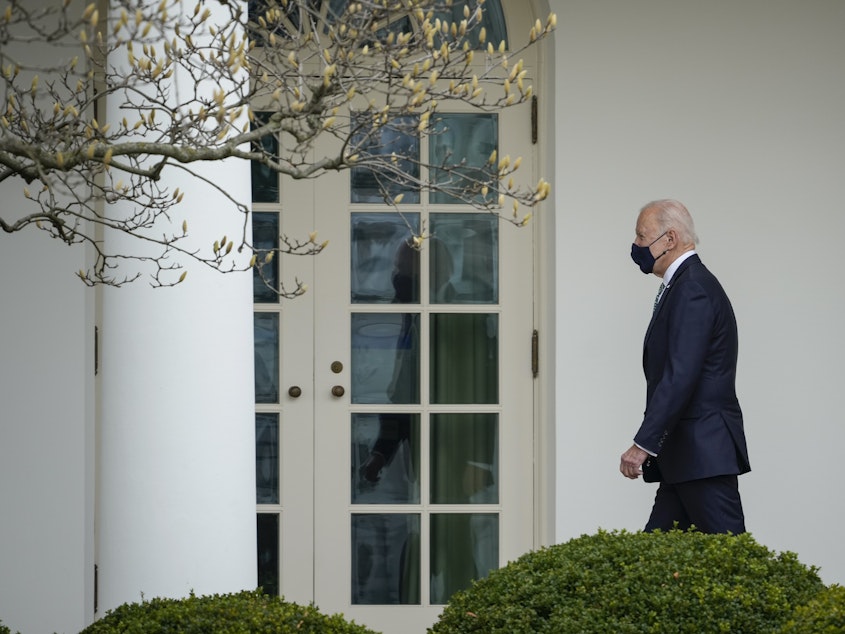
(5, 630)
(824, 614)
(622, 582)
(240, 613)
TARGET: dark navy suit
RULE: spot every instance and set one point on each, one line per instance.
(692, 420)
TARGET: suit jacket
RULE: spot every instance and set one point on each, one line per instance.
(692, 419)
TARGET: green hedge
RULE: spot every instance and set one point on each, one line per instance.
(824, 614)
(621, 582)
(240, 613)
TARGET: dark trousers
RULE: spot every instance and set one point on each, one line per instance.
(712, 505)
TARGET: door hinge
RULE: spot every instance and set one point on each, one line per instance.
(534, 124)
(535, 353)
(96, 350)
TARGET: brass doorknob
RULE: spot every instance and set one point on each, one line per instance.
(294, 391)
(338, 391)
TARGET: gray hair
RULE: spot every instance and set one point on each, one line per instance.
(672, 214)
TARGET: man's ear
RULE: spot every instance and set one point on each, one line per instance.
(671, 237)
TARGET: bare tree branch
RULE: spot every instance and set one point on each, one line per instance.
(194, 85)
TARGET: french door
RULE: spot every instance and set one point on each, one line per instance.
(395, 418)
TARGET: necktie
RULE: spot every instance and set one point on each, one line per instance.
(659, 294)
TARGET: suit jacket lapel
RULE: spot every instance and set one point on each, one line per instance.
(665, 298)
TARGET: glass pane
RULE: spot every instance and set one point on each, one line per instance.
(398, 138)
(336, 10)
(461, 144)
(464, 358)
(492, 20)
(385, 458)
(265, 236)
(385, 559)
(385, 358)
(464, 259)
(464, 458)
(266, 329)
(464, 547)
(287, 22)
(384, 268)
(265, 181)
(267, 458)
(268, 552)
(400, 25)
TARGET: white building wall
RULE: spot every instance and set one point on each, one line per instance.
(46, 423)
(736, 109)
(46, 434)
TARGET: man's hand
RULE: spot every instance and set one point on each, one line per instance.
(631, 465)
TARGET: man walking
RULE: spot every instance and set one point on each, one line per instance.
(691, 438)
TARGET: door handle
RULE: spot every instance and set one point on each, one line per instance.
(294, 391)
(338, 391)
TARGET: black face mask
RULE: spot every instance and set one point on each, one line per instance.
(643, 257)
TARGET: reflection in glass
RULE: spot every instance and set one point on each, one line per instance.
(266, 334)
(464, 458)
(385, 358)
(385, 559)
(267, 458)
(464, 353)
(397, 138)
(461, 144)
(384, 268)
(464, 259)
(464, 547)
(268, 552)
(265, 236)
(265, 180)
(385, 458)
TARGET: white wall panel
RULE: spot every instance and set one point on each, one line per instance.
(735, 108)
(46, 434)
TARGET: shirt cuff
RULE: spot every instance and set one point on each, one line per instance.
(650, 453)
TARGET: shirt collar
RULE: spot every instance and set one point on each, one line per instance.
(667, 277)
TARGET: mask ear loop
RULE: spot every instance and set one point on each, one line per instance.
(665, 233)
(658, 238)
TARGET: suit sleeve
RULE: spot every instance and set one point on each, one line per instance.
(689, 326)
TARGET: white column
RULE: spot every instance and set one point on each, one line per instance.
(176, 467)
(176, 473)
